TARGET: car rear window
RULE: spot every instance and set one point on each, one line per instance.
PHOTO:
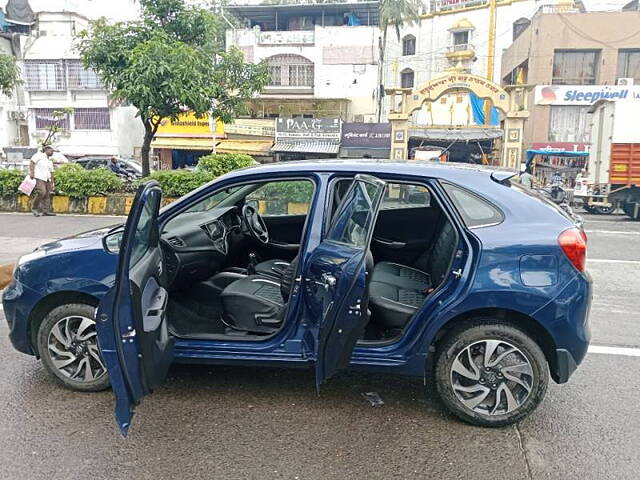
(533, 194)
(475, 211)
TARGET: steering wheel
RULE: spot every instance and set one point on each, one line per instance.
(255, 224)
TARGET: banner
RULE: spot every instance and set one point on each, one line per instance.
(583, 94)
(366, 135)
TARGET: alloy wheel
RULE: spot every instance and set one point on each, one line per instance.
(491, 377)
(73, 348)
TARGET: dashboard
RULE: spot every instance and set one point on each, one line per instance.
(196, 244)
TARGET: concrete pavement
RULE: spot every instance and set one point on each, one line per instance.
(220, 422)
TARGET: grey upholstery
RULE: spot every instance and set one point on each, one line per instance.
(253, 304)
(272, 268)
(397, 291)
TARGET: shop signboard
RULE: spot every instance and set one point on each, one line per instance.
(366, 135)
(561, 146)
(188, 125)
(583, 94)
(301, 130)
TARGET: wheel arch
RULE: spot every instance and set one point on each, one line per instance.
(48, 303)
(528, 324)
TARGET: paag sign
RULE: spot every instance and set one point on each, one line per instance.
(583, 94)
(308, 129)
(366, 135)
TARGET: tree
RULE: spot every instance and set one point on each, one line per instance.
(394, 14)
(171, 60)
(55, 125)
(9, 74)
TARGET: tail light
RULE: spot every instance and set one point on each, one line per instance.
(573, 243)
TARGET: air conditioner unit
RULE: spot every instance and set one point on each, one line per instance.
(626, 82)
(13, 115)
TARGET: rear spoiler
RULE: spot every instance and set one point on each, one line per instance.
(503, 176)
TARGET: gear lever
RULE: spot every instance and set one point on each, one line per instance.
(253, 261)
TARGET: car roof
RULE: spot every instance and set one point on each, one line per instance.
(455, 172)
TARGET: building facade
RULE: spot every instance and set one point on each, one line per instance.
(323, 58)
(573, 59)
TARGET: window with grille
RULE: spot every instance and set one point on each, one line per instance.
(81, 78)
(569, 123)
(629, 64)
(291, 71)
(575, 67)
(91, 119)
(461, 38)
(45, 118)
(44, 75)
(409, 45)
(406, 78)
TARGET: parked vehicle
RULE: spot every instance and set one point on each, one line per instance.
(476, 282)
(133, 168)
(614, 163)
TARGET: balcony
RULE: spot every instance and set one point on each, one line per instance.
(462, 51)
(448, 5)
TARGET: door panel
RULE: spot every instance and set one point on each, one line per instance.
(132, 325)
(336, 278)
(285, 232)
(403, 234)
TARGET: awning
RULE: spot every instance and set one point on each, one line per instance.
(306, 147)
(183, 143)
(456, 134)
(248, 147)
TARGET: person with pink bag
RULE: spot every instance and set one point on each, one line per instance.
(41, 169)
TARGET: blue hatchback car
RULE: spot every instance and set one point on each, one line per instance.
(451, 272)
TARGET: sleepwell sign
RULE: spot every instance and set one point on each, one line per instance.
(583, 94)
(308, 130)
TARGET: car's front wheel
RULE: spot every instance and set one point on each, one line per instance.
(490, 374)
(68, 347)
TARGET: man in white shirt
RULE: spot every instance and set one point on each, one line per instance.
(41, 168)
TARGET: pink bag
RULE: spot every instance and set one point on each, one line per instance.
(27, 185)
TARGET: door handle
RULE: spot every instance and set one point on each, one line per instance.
(328, 280)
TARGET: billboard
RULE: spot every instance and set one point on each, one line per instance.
(291, 130)
(583, 94)
(366, 135)
(188, 125)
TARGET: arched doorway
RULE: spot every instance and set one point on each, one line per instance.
(405, 101)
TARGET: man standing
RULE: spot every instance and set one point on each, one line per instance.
(526, 179)
(41, 168)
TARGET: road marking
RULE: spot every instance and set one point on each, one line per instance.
(624, 351)
(613, 232)
(605, 260)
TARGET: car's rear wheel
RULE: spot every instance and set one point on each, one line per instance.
(490, 374)
(68, 347)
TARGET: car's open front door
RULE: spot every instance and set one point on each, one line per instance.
(131, 325)
(336, 278)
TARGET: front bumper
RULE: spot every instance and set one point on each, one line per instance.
(18, 301)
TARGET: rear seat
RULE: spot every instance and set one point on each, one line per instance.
(397, 291)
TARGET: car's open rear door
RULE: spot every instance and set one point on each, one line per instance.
(131, 323)
(336, 278)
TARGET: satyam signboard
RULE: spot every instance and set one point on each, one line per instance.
(366, 135)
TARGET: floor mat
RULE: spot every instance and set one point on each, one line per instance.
(188, 316)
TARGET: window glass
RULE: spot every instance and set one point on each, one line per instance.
(406, 78)
(404, 195)
(143, 234)
(354, 218)
(569, 123)
(409, 45)
(291, 197)
(629, 64)
(576, 67)
(91, 119)
(475, 211)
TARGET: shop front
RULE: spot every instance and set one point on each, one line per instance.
(180, 143)
(365, 140)
(307, 138)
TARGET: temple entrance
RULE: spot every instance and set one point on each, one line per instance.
(458, 117)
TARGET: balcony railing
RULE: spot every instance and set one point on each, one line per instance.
(289, 37)
(444, 5)
(461, 47)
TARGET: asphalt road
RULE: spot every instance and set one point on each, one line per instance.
(218, 422)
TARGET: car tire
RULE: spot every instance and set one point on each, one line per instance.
(67, 345)
(506, 382)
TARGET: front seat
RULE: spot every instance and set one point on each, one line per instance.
(257, 303)
(272, 268)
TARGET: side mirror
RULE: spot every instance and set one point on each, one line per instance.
(111, 242)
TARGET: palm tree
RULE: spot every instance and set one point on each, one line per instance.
(394, 14)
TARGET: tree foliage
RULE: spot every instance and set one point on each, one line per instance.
(171, 60)
(9, 74)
